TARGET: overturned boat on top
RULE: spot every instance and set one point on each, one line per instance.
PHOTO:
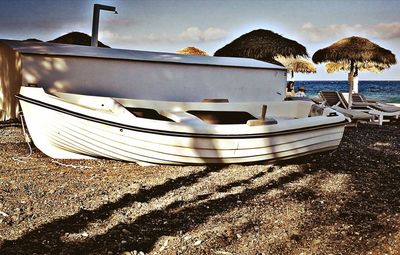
(74, 126)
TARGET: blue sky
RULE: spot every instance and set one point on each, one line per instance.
(169, 25)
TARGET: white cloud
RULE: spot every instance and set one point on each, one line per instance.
(213, 34)
(192, 34)
(320, 33)
(107, 35)
(316, 33)
(189, 35)
(386, 30)
(195, 34)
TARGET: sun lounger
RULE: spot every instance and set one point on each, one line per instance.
(354, 115)
(333, 98)
(344, 99)
(359, 99)
(377, 109)
(336, 102)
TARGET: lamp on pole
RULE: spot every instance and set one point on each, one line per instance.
(96, 16)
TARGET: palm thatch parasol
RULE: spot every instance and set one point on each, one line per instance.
(262, 45)
(77, 38)
(354, 53)
(297, 64)
(192, 51)
(332, 67)
(32, 40)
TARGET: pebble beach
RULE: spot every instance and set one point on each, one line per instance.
(342, 202)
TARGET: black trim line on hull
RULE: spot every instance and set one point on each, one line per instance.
(174, 133)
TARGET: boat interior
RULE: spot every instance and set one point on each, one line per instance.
(218, 111)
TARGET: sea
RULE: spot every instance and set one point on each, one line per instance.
(387, 91)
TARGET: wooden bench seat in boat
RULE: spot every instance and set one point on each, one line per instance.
(223, 117)
(181, 117)
(147, 113)
(260, 122)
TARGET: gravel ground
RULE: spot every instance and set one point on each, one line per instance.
(343, 202)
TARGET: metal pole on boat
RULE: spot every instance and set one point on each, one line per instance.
(95, 24)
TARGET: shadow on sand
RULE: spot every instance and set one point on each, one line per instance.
(375, 193)
(146, 229)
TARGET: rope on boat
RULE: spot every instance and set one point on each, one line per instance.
(27, 140)
(70, 165)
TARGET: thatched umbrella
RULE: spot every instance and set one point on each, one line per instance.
(355, 52)
(296, 65)
(32, 40)
(192, 51)
(76, 38)
(332, 67)
(262, 45)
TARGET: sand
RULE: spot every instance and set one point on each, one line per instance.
(342, 202)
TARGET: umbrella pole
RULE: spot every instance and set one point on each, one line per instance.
(292, 76)
(355, 80)
(350, 78)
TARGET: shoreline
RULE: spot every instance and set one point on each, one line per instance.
(346, 201)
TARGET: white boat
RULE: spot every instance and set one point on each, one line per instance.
(72, 126)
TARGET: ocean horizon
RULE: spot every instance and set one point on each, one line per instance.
(387, 91)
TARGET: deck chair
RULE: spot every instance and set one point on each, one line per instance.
(377, 110)
(354, 115)
(360, 107)
(359, 99)
(333, 100)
